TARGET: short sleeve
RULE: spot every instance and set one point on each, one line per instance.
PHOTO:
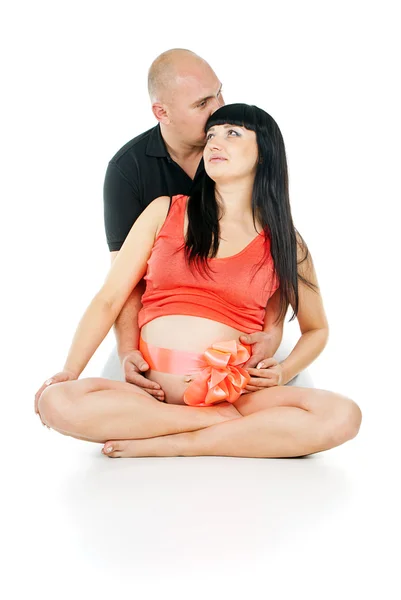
(121, 206)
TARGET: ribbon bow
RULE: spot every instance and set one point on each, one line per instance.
(222, 380)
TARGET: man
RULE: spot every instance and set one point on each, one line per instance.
(164, 161)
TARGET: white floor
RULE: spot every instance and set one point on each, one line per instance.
(80, 525)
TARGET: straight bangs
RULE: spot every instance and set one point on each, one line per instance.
(242, 115)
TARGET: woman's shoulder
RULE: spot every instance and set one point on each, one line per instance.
(158, 210)
(160, 202)
(163, 205)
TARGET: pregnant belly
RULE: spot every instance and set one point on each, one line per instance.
(187, 334)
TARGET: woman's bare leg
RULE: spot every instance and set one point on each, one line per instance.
(277, 422)
(98, 410)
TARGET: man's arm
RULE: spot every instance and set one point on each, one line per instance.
(265, 343)
(122, 207)
(126, 325)
(271, 327)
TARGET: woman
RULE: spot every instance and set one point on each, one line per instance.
(212, 262)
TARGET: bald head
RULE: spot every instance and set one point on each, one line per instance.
(167, 69)
(184, 91)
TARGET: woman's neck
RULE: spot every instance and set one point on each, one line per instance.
(235, 199)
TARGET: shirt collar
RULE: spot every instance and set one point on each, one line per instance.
(156, 146)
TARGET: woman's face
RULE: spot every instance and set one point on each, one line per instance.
(231, 152)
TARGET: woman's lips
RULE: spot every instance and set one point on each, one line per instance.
(217, 159)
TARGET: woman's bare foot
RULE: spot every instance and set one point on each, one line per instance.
(137, 448)
(166, 445)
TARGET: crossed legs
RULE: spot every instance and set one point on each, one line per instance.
(96, 410)
(280, 421)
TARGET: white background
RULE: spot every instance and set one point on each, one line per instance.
(74, 91)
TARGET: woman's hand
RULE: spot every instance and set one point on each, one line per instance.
(133, 363)
(268, 374)
(57, 378)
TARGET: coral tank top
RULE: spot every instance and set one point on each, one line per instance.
(235, 292)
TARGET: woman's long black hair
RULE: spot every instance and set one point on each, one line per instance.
(270, 204)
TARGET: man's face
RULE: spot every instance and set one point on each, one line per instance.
(195, 96)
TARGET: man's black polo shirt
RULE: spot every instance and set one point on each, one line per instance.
(141, 171)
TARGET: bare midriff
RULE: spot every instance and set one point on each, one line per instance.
(188, 334)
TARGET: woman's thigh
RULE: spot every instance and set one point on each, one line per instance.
(80, 387)
(69, 396)
(319, 402)
(84, 407)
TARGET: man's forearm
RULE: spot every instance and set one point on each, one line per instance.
(273, 329)
(275, 333)
(126, 325)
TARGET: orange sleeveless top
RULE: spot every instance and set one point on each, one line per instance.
(235, 292)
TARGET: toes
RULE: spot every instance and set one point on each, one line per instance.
(112, 449)
(130, 448)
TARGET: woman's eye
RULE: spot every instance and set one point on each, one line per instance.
(202, 104)
(228, 132)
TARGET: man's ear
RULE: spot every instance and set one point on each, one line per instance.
(160, 112)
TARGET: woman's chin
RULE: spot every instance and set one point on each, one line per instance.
(216, 175)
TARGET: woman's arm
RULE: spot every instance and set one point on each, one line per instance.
(126, 271)
(312, 322)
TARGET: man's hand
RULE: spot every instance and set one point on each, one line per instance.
(133, 363)
(261, 342)
(268, 373)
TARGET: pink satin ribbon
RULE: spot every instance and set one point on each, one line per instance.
(223, 379)
(219, 376)
(167, 360)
